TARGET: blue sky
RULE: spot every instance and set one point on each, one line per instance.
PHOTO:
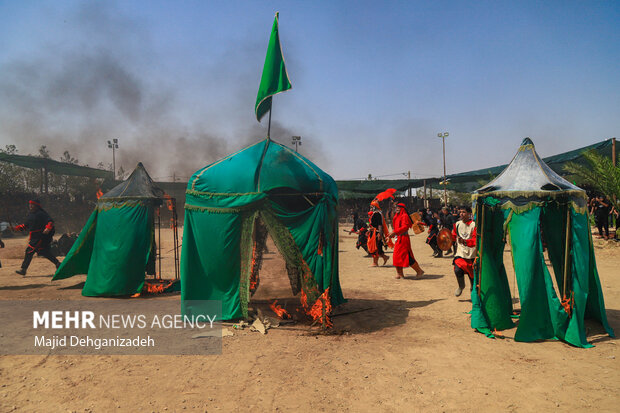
(373, 82)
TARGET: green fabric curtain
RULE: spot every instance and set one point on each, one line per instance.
(112, 249)
(210, 259)
(542, 314)
(77, 259)
(491, 275)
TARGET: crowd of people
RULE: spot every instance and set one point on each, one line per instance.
(452, 229)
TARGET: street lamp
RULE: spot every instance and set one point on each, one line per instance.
(114, 146)
(296, 141)
(443, 137)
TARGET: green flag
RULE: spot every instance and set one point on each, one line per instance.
(274, 79)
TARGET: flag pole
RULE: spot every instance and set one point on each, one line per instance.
(269, 124)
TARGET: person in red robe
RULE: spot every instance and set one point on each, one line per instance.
(403, 255)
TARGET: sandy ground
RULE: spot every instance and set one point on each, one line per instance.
(411, 349)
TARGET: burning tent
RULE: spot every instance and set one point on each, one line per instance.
(116, 246)
(230, 207)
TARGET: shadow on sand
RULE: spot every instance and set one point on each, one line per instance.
(356, 316)
(360, 316)
(22, 287)
(77, 286)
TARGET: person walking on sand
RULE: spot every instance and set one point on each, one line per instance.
(403, 255)
(376, 235)
(41, 230)
(464, 234)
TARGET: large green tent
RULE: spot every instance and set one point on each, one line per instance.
(534, 208)
(115, 247)
(230, 207)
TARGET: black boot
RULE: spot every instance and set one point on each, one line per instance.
(461, 281)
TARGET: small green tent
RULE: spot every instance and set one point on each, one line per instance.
(534, 208)
(265, 185)
(115, 247)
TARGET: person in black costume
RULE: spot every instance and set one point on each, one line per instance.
(41, 228)
(601, 211)
(433, 230)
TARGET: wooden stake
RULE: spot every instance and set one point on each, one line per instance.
(566, 250)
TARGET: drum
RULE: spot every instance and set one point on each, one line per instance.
(415, 217)
(444, 239)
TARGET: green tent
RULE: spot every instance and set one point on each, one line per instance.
(116, 245)
(534, 208)
(230, 207)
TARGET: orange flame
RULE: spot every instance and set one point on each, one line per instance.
(169, 202)
(321, 309)
(567, 304)
(304, 299)
(156, 288)
(99, 193)
(280, 312)
(254, 271)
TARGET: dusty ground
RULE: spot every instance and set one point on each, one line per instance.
(411, 350)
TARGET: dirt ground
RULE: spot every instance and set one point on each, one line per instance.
(410, 348)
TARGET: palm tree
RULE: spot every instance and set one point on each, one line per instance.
(600, 174)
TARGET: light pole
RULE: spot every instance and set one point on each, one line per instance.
(296, 141)
(443, 137)
(113, 144)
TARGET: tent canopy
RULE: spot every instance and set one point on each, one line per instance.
(139, 185)
(528, 174)
(227, 202)
(115, 247)
(535, 209)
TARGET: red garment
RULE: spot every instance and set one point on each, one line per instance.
(466, 265)
(403, 255)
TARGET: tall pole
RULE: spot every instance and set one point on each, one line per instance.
(269, 124)
(443, 137)
(613, 151)
(113, 144)
(296, 140)
(409, 183)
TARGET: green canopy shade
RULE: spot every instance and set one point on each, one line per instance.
(533, 208)
(115, 246)
(268, 186)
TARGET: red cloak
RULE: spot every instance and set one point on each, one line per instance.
(403, 255)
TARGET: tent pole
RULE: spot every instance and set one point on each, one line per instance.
(566, 250)
(176, 238)
(480, 249)
(159, 239)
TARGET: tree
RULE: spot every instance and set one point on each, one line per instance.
(120, 174)
(44, 152)
(11, 176)
(600, 174)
